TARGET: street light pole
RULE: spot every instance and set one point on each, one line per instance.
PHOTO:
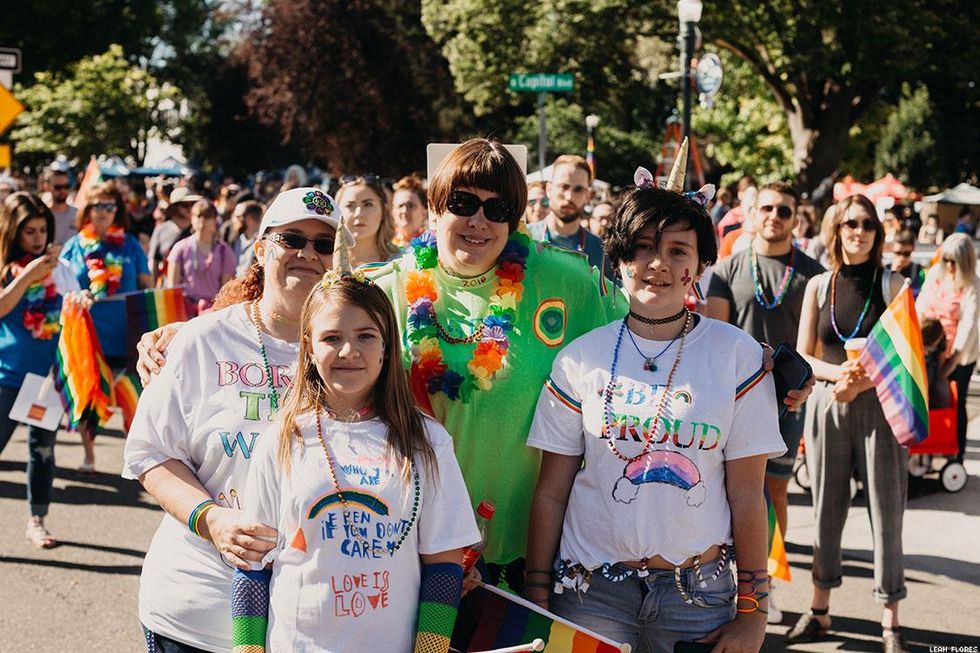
(542, 132)
(688, 13)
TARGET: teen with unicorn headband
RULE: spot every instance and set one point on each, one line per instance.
(674, 419)
(364, 490)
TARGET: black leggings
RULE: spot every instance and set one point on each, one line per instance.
(961, 375)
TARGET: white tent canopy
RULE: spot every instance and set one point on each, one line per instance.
(960, 194)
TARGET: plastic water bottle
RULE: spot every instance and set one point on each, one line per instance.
(484, 513)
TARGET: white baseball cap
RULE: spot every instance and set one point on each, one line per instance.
(304, 203)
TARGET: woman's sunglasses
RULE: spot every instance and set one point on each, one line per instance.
(289, 240)
(495, 209)
(543, 202)
(867, 224)
(783, 212)
(104, 206)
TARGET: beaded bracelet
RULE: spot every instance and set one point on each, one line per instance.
(195, 517)
(755, 601)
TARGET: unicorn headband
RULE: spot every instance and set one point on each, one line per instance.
(675, 182)
(341, 260)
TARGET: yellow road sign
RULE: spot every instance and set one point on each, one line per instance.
(4, 155)
(10, 108)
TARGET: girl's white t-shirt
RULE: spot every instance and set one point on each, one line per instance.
(208, 408)
(329, 592)
(671, 501)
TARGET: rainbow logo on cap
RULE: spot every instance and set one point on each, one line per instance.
(317, 202)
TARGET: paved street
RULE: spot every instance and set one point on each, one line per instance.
(81, 596)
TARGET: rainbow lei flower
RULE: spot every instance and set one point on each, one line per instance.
(429, 370)
(103, 259)
(42, 312)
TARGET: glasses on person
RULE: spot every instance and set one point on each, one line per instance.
(543, 202)
(495, 209)
(104, 206)
(60, 186)
(289, 240)
(867, 224)
(783, 212)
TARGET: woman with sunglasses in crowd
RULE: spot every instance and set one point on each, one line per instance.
(107, 261)
(196, 425)
(410, 209)
(33, 285)
(845, 425)
(950, 294)
(202, 262)
(364, 204)
(655, 431)
(537, 202)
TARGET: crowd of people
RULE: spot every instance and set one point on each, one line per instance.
(370, 359)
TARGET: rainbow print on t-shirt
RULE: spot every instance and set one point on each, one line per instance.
(660, 466)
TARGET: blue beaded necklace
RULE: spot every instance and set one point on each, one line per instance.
(864, 311)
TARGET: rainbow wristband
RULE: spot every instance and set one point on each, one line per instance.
(195, 517)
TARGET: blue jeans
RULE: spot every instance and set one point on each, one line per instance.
(40, 446)
(649, 613)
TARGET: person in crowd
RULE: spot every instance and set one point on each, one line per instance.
(537, 202)
(364, 203)
(903, 246)
(950, 294)
(601, 216)
(250, 214)
(654, 432)
(201, 263)
(931, 233)
(845, 425)
(569, 190)
(806, 225)
(295, 178)
(891, 223)
(227, 199)
(723, 204)
(966, 223)
(760, 290)
(176, 227)
(351, 414)
(231, 226)
(196, 427)
(107, 262)
(409, 209)
(817, 249)
(739, 238)
(733, 218)
(8, 185)
(64, 213)
(34, 285)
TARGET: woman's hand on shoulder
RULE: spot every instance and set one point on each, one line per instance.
(238, 543)
(743, 634)
(150, 349)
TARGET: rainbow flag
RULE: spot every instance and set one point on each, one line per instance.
(83, 376)
(506, 620)
(149, 310)
(127, 390)
(894, 359)
(778, 564)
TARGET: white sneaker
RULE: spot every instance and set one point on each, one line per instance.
(775, 615)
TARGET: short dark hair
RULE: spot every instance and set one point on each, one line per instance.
(641, 207)
(252, 209)
(904, 237)
(784, 189)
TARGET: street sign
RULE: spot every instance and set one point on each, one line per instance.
(10, 60)
(10, 108)
(4, 156)
(541, 82)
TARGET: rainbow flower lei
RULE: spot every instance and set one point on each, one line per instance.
(429, 370)
(42, 312)
(103, 259)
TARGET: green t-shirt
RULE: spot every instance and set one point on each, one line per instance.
(563, 298)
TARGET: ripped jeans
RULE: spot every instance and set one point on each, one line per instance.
(40, 447)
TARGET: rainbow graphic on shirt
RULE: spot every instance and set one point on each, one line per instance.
(668, 467)
(353, 498)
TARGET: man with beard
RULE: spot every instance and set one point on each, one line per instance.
(760, 290)
(569, 190)
(63, 212)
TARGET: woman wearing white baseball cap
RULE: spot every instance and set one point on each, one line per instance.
(196, 425)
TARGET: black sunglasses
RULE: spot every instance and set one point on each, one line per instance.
(867, 224)
(783, 212)
(60, 186)
(105, 206)
(289, 240)
(495, 209)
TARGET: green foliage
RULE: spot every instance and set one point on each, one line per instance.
(101, 105)
(907, 148)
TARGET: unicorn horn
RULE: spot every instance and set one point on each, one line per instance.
(676, 180)
(341, 255)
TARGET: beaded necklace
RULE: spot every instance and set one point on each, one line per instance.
(760, 294)
(42, 307)
(864, 311)
(103, 259)
(257, 320)
(354, 533)
(608, 395)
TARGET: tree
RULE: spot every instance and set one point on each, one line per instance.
(907, 148)
(101, 105)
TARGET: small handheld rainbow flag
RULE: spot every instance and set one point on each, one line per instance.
(506, 620)
(778, 564)
(149, 310)
(83, 376)
(894, 359)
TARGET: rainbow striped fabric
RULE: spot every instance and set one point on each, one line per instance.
(127, 390)
(83, 376)
(149, 310)
(506, 620)
(894, 359)
(778, 564)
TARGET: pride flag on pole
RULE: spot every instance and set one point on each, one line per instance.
(149, 310)
(506, 620)
(778, 564)
(894, 359)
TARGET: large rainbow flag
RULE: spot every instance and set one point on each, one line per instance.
(893, 358)
(507, 620)
(148, 310)
(83, 376)
(778, 563)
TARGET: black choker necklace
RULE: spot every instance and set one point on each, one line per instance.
(653, 321)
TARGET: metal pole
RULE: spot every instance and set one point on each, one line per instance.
(542, 133)
(687, 47)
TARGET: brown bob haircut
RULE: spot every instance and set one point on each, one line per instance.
(835, 247)
(484, 164)
(16, 210)
(105, 189)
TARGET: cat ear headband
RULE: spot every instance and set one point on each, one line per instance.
(643, 179)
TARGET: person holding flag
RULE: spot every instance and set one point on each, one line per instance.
(845, 424)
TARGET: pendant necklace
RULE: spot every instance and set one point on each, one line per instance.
(650, 362)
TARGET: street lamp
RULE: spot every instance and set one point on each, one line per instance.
(688, 13)
(591, 122)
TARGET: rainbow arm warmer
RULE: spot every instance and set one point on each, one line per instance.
(249, 610)
(442, 586)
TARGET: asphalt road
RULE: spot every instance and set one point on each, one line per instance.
(81, 596)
